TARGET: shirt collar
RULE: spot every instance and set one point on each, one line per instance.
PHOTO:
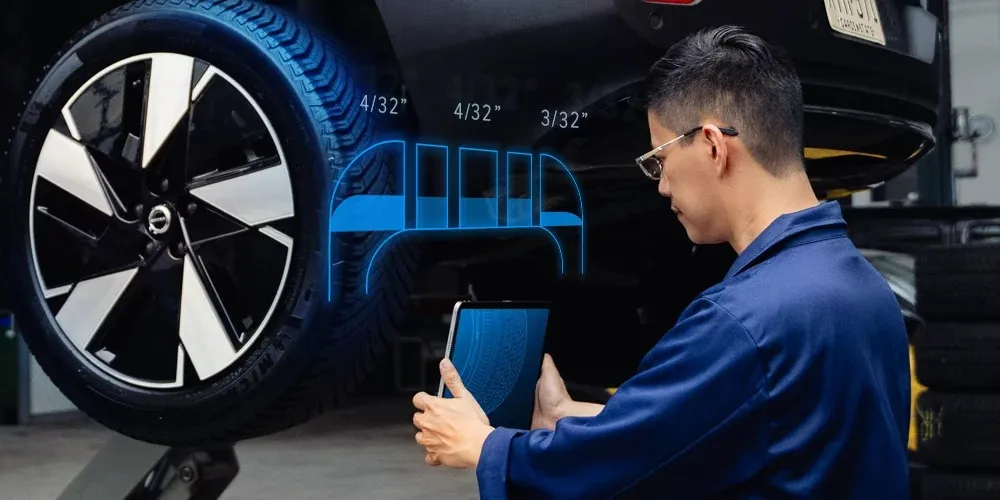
(825, 215)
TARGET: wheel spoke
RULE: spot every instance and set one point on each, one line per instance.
(141, 338)
(179, 367)
(253, 199)
(167, 101)
(67, 164)
(230, 131)
(276, 235)
(89, 303)
(208, 224)
(233, 157)
(118, 248)
(246, 270)
(202, 332)
(209, 286)
(66, 232)
(107, 118)
(58, 291)
(78, 234)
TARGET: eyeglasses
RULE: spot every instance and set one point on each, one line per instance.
(653, 166)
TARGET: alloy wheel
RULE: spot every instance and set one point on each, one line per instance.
(162, 221)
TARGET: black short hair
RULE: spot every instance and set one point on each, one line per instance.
(739, 78)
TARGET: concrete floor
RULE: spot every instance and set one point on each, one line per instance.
(364, 452)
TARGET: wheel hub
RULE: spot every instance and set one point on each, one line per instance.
(159, 220)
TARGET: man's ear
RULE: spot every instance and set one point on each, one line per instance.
(718, 148)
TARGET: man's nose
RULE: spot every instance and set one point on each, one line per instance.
(664, 187)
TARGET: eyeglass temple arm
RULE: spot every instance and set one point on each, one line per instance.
(730, 131)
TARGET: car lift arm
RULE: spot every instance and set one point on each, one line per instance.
(127, 469)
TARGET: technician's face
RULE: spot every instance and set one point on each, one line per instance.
(687, 180)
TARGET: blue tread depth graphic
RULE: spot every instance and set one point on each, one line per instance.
(390, 213)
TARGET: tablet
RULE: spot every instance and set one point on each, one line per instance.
(497, 348)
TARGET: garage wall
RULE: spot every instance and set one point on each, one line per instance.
(975, 81)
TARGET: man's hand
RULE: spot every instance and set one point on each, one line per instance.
(552, 400)
(451, 430)
(551, 397)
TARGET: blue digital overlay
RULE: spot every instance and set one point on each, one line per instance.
(433, 198)
(498, 354)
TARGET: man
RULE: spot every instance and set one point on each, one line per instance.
(789, 379)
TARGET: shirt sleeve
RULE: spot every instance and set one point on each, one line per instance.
(690, 423)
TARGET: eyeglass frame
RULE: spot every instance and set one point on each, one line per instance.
(730, 131)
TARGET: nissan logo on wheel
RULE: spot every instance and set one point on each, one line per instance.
(159, 220)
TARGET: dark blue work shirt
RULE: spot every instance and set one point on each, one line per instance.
(790, 379)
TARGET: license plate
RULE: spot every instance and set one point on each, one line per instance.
(856, 18)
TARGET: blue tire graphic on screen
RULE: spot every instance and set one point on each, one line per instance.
(496, 356)
(205, 138)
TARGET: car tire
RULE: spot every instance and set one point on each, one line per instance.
(959, 283)
(220, 327)
(958, 356)
(958, 430)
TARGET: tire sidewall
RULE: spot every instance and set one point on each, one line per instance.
(265, 370)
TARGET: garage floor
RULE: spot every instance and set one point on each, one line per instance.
(366, 451)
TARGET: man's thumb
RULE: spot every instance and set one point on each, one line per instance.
(549, 366)
(451, 378)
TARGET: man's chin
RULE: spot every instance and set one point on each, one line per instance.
(692, 235)
(699, 238)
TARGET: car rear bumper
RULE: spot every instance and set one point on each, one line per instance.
(899, 78)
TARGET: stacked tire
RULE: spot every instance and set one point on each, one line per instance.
(957, 359)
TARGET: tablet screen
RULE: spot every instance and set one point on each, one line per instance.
(498, 353)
